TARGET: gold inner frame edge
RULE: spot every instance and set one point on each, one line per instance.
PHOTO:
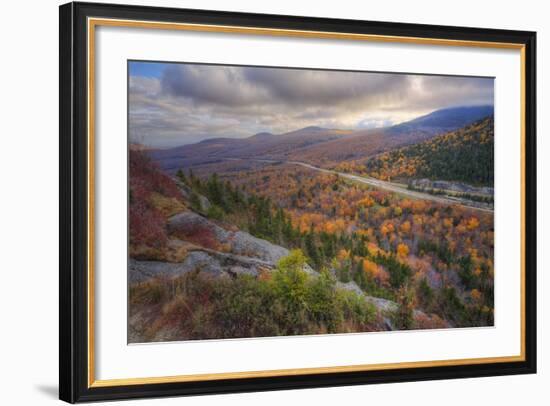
(92, 23)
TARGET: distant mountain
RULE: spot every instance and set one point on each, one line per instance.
(370, 142)
(261, 145)
(262, 135)
(321, 146)
(444, 120)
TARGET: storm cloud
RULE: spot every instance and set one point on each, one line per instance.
(186, 103)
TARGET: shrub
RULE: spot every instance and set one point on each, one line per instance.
(195, 306)
(146, 225)
(425, 293)
(215, 212)
(152, 193)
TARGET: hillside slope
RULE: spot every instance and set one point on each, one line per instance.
(444, 120)
(371, 142)
(465, 155)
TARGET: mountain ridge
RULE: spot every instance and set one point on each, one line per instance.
(318, 145)
(447, 119)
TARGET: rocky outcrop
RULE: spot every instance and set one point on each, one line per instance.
(141, 271)
(184, 189)
(210, 262)
(187, 224)
(245, 244)
(211, 248)
(206, 233)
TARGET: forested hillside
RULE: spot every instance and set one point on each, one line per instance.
(465, 155)
(438, 257)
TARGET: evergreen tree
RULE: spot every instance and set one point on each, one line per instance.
(359, 276)
(181, 176)
(311, 248)
(195, 202)
(344, 274)
(192, 179)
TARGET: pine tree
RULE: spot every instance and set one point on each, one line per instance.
(311, 248)
(344, 273)
(195, 202)
(181, 176)
(359, 276)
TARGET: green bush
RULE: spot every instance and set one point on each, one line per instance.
(289, 302)
(215, 212)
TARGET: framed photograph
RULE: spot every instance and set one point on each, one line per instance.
(258, 202)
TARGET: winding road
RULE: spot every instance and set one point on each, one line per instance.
(391, 187)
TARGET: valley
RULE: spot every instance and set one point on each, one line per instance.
(314, 231)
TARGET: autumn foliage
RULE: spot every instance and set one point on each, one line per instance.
(382, 241)
(464, 155)
(421, 255)
(147, 221)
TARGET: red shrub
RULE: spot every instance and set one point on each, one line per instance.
(147, 225)
(200, 235)
(146, 176)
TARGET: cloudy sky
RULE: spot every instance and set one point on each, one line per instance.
(175, 104)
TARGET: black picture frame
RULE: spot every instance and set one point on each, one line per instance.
(74, 199)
